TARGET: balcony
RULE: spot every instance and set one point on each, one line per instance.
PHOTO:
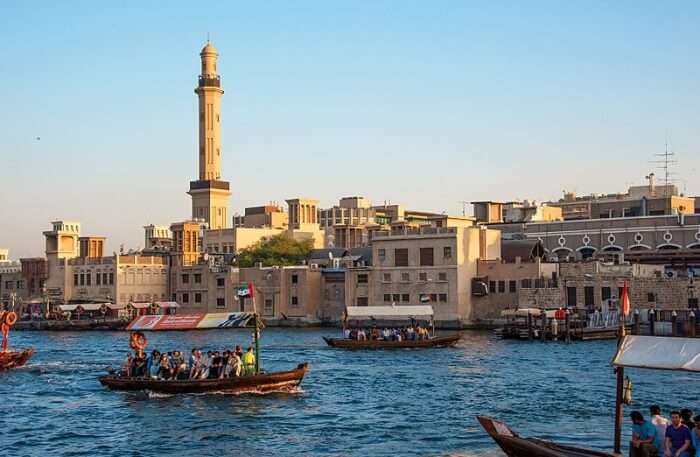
(209, 81)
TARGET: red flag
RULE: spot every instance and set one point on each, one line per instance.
(625, 300)
(251, 290)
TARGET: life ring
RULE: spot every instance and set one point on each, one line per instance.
(10, 318)
(138, 341)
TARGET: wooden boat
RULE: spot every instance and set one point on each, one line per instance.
(14, 359)
(433, 342)
(262, 382)
(516, 446)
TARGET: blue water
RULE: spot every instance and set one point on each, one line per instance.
(352, 403)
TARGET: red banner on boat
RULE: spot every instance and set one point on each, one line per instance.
(167, 322)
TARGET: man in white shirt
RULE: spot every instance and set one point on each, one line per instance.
(660, 422)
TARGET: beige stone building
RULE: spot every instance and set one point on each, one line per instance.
(157, 237)
(491, 212)
(267, 216)
(428, 265)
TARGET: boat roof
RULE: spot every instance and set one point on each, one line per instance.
(523, 312)
(388, 312)
(90, 306)
(659, 352)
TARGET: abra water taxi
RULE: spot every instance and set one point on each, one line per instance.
(363, 327)
(11, 359)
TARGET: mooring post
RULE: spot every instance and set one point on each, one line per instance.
(691, 324)
(674, 324)
(529, 326)
(567, 324)
(544, 326)
(637, 324)
(652, 320)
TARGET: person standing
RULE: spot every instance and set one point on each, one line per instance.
(677, 437)
(695, 436)
(660, 422)
(643, 437)
(249, 361)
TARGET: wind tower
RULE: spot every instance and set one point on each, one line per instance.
(210, 194)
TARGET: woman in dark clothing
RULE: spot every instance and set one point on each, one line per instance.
(165, 372)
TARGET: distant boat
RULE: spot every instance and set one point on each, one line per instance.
(405, 313)
(433, 342)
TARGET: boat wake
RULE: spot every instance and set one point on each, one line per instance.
(284, 391)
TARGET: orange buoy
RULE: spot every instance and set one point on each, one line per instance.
(138, 341)
(10, 318)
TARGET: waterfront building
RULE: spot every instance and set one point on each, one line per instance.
(157, 238)
(4, 255)
(648, 200)
(12, 284)
(428, 264)
(210, 193)
(35, 273)
(492, 212)
(266, 216)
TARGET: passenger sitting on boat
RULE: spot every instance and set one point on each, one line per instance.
(126, 368)
(687, 418)
(361, 335)
(224, 371)
(154, 366)
(346, 333)
(154, 357)
(138, 367)
(249, 361)
(215, 368)
(181, 370)
(375, 333)
(195, 363)
(397, 334)
(410, 333)
(165, 372)
(695, 436)
(386, 334)
(660, 422)
(678, 439)
(643, 436)
(239, 352)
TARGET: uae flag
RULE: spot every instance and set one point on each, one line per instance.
(246, 291)
(625, 300)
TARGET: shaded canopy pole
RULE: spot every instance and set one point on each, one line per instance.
(624, 309)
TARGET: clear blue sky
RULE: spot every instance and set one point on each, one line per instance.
(420, 103)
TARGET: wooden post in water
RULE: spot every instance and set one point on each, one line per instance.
(543, 336)
(567, 325)
(691, 324)
(637, 324)
(674, 324)
(652, 320)
(620, 371)
(529, 325)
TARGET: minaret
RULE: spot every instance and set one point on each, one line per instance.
(209, 193)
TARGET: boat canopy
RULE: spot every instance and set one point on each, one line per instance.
(389, 312)
(658, 352)
(140, 305)
(167, 304)
(523, 312)
(89, 306)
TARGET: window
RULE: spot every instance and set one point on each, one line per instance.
(104, 278)
(88, 279)
(198, 298)
(442, 298)
(512, 286)
(401, 257)
(589, 293)
(526, 283)
(405, 277)
(198, 278)
(220, 282)
(362, 301)
(651, 297)
(447, 252)
(426, 257)
(387, 298)
(295, 301)
(405, 298)
(111, 279)
(442, 276)
(185, 279)
(82, 279)
(75, 280)
(571, 297)
(396, 298)
(269, 307)
(98, 278)
(501, 287)
(220, 302)
(387, 277)
(492, 286)
(605, 293)
(361, 279)
(185, 298)
(295, 279)
(422, 276)
(381, 253)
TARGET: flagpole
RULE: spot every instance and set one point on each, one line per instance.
(619, 405)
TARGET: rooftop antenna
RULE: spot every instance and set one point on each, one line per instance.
(464, 207)
(208, 37)
(665, 162)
